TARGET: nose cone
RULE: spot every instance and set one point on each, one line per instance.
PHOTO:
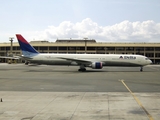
(150, 61)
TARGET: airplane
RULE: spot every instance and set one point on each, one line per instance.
(94, 61)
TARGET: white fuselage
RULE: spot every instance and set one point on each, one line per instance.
(87, 59)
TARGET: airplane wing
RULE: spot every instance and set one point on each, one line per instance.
(16, 57)
(10, 57)
(79, 61)
(86, 62)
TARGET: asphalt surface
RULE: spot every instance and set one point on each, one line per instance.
(62, 93)
(68, 79)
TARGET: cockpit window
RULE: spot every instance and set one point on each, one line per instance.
(146, 58)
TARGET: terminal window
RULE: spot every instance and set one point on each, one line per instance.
(139, 48)
(149, 48)
(110, 48)
(157, 48)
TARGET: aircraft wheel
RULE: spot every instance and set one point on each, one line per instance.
(82, 69)
(26, 63)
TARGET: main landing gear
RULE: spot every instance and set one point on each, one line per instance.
(141, 69)
(82, 68)
(26, 62)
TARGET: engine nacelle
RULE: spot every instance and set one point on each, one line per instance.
(97, 65)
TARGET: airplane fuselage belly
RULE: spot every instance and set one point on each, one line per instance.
(119, 63)
(107, 63)
(51, 62)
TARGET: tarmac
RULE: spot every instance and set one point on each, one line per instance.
(41, 92)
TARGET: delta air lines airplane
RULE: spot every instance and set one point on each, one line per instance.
(95, 61)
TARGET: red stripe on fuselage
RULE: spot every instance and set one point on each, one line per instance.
(20, 38)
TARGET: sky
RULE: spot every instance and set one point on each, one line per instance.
(102, 20)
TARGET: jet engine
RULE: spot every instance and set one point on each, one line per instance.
(97, 65)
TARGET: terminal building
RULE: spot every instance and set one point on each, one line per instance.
(81, 46)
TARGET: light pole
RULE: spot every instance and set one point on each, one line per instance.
(85, 40)
(11, 49)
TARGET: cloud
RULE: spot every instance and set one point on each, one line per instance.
(125, 31)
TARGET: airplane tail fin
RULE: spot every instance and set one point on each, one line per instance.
(26, 48)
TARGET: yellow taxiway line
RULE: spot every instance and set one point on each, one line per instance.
(137, 100)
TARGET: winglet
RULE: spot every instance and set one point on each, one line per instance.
(24, 45)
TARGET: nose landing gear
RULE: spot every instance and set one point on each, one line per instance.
(141, 69)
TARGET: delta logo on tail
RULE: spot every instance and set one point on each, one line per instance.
(24, 45)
